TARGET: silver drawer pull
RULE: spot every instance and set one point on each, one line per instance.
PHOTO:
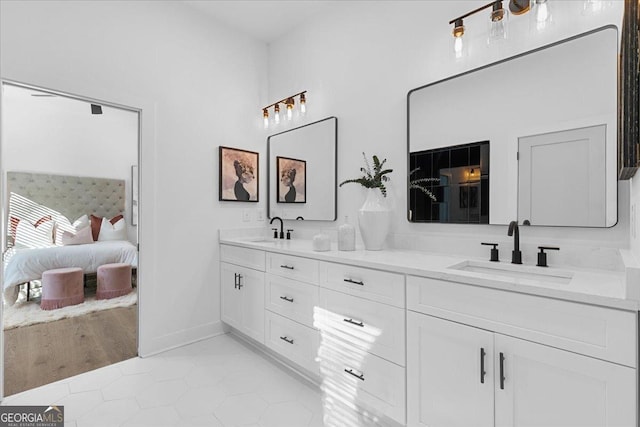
(354, 322)
(289, 340)
(288, 267)
(287, 299)
(355, 282)
(350, 372)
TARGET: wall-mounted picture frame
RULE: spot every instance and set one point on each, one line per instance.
(134, 195)
(239, 175)
(291, 175)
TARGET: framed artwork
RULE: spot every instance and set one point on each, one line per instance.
(134, 195)
(292, 180)
(238, 175)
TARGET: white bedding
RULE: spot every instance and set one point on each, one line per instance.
(24, 265)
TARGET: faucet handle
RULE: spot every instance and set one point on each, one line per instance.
(542, 256)
(275, 233)
(289, 231)
(494, 251)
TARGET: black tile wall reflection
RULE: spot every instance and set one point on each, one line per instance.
(459, 183)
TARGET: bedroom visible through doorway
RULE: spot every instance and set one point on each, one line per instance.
(70, 241)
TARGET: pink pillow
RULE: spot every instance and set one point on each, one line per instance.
(82, 237)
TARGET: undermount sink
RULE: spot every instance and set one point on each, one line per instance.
(538, 274)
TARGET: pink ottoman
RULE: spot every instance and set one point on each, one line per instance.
(114, 280)
(62, 287)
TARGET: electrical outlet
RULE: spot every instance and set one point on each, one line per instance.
(246, 215)
(260, 214)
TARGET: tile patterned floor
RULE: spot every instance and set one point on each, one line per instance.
(219, 382)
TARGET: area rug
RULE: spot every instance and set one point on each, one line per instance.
(25, 313)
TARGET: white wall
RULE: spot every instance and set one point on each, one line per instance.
(58, 135)
(359, 66)
(199, 85)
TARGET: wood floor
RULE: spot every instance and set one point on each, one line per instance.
(47, 352)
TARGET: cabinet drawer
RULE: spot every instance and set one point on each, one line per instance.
(375, 285)
(381, 324)
(293, 267)
(599, 332)
(292, 299)
(373, 383)
(292, 340)
(251, 258)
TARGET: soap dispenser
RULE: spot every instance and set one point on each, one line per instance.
(346, 236)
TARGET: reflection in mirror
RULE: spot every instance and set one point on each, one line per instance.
(450, 185)
(302, 172)
(518, 103)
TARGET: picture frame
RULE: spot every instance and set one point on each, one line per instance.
(134, 195)
(238, 175)
(291, 178)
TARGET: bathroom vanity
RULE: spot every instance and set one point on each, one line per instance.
(425, 339)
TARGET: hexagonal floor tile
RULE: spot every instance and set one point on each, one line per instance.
(108, 414)
(94, 380)
(161, 393)
(199, 401)
(241, 409)
(286, 414)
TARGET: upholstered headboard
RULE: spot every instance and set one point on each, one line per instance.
(72, 196)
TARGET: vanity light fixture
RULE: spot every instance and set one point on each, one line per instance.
(289, 103)
(498, 20)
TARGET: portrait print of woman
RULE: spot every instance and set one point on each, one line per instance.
(238, 175)
(291, 174)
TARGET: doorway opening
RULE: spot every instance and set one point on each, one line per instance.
(70, 237)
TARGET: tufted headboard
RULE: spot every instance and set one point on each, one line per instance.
(72, 196)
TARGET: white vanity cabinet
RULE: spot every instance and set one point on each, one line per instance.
(291, 296)
(506, 381)
(242, 290)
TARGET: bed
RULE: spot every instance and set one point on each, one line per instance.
(61, 199)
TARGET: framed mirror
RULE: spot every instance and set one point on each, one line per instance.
(302, 171)
(550, 119)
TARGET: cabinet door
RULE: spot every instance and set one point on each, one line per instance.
(251, 284)
(544, 386)
(230, 295)
(444, 382)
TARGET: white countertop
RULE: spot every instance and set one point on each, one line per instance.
(597, 287)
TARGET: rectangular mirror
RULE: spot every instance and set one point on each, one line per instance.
(302, 171)
(550, 116)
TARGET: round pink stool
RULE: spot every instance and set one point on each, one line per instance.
(114, 280)
(62, 287)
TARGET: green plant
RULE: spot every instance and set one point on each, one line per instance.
(372, 178)
(420, 184)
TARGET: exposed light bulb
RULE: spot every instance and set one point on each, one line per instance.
(591, 7)
(498, 24)
(276, 115)
(265, 116)
(542, 14)
(289, 103)
(458, 44)
(303, 104)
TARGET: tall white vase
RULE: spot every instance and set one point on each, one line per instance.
(374, 220)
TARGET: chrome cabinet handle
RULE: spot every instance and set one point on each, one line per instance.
(288, 267)
(288, 340)
(350, 372)
(287, 299)
(240, 285)
(355, 282)
(354, 322)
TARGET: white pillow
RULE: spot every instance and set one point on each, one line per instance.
(31, 236)
(117, 231)
(82, 237)
(64, 228)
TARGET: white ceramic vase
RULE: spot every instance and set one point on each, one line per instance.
(374, 220)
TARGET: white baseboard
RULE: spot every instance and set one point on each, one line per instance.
(178, 339)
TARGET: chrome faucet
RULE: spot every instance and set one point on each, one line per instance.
(281, 226)
(516, 255)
